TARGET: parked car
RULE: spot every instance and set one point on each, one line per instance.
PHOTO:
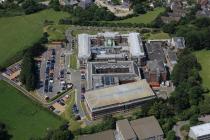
(83, 77)
(51, 108)
(83, 89)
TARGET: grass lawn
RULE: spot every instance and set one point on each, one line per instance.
(160, 35)
(73, 61)
(145, 18)
(23, 118)
(68, 114)
(203, 57)
(56, 32)
(18, 33)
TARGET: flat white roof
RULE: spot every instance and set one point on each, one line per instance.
(136, 46)
(201, 130)
(118, 94)
(83, 46)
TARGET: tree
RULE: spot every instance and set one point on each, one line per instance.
(194, 120)
(171, 135)
(204, 106)
(3, 132)
(139, 9)
(55, 5)
(28, 71)
(31, 6)
(170, 28)
(62, 133)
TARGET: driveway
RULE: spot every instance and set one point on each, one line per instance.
(177, 128)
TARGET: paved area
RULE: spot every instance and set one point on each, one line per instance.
(177, 128)
(52, 79)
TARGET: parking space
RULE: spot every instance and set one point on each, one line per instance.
(60, 105)
(53, 72)
(13, 72)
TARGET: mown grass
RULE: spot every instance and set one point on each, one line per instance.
(158, 35)
(69, 115)
(20, 32)
(145, 18)
(73, 61)
(24, 118)
(203, 57)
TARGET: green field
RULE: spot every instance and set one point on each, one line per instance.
(18, 33)
(203, 57)
(23, 118)
(145, 18)
(159, 35)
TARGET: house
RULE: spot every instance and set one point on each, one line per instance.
(205, 8)
(147, 128)
(124, 130)
(85, 3)
(200, 132)
(178, 8)
(155, 73)
(68, 2)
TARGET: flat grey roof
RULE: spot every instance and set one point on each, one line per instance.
(146, 127)
(118, 94)
(105, 135)
(125, 129)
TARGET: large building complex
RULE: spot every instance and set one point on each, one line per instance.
(110, 46)
(118, 69)
(200, 132)
(117, 98)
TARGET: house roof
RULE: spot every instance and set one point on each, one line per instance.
(125, 129)
(146, 127)
(118, 95)
(155, 65)
(201, 130)
(172, 55)
(179, 42)
(155, 51)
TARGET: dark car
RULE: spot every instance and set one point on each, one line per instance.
(83, 77)
(82, 97)
(77, 117)
(51, 108)
(53, 51)
(46, 88)
(83, 89)
(50, 88)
